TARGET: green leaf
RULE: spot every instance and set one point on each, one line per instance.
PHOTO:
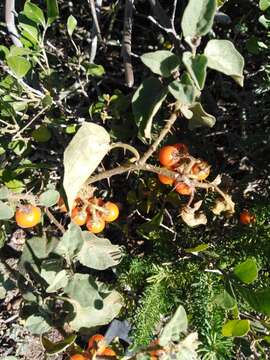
(35, 251)
(197, 249)
(223, 56)
(42, 134)
(82, 156)
(29, 31)
(225, 300)
(4, 193)
(18, 65)
(49, 268)
(200, 117)
(177, 325)
(220, 3)
(198, 17)
(98, 253)
(196, 66)
(83, 289)
(71, 24)
(52, 11)
(183, 90)
(71, 243)
(88, 317)
(265, 21)
(47, 101)
(56, 348)
(49, 198)
(264, 4)
(60, 281)
(236, 328)
(146, 102)
(19, 51)
(161, 62)
(37, 324)
(259, 300)
(94, 69)
(247, 271)
(6, 212)
(15, 185)
(34, 13)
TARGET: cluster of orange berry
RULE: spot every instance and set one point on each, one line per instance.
(94, 349)
(93, 213)
(176, 158)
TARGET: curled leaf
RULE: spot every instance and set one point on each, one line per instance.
(192, 217)
(223, 205)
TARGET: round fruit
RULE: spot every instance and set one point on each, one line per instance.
(79, 357)
(112, 212)
(169, 155)
(107, 352)
(158, 351)
(246, 218)
(78, 216)
(183, 189)
(200, 170)
(92, 342)
(28, 216)
(166, 180)
(62, 206)
(95, 226)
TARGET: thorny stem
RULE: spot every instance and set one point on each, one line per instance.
(126, 147)
(54, 221)
(162, 135)
(18, 134)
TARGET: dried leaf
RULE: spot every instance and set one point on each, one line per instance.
(224, 205)
(191, 218)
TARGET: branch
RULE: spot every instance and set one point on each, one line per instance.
(95, 19)
(94, 32)
(126, 45)
(131, 168)
(10, 22)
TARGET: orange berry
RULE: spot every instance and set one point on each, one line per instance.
(79, 357)
(200, 170)
(61, 205)
(78, 216)
(28, 216)
(112, 212)
(107, 352)
(183, 189)
(168, 155)
(246, 217)
(95, 226)
(92, 342)
(166, 180)
(157, 352)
